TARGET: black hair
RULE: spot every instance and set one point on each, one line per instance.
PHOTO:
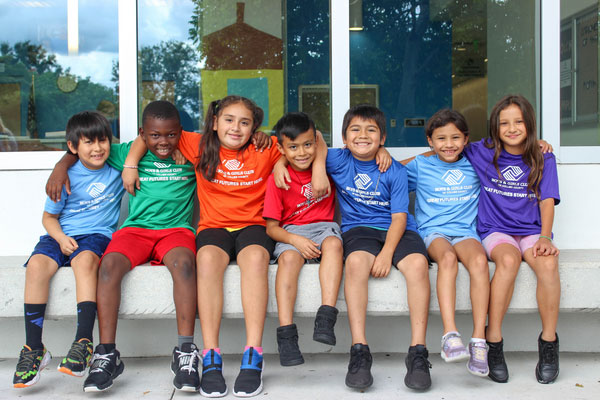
(364, 112)
(444, 117)
(292, 125)
(210, 145)
(160, 109)
(88, 124)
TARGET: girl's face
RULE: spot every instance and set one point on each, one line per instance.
(512, 131)
(448, 142)
(234, 126)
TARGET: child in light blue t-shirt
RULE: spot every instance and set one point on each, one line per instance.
(447, 193)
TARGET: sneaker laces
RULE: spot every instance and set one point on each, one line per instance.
(478, 352)
(187, 360)
(548, 353)
(27, 360)
(97, 364)
(358, 360)
(78, 351)
(421, 362)
(496, 356)
(453, 342)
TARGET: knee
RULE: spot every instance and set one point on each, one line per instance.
(332, 245)
(288, 259)
(38, 271)
(448, 262)
(184, 268)
(86, 263)
(415, 268)
(508, 264)
(479, 267)
(356, 269)
(547, 269)
(108, 271)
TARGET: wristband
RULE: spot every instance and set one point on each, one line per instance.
(130, 166)
(546, 237)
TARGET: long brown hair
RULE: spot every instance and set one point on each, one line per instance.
(210, 144)
(532, 155)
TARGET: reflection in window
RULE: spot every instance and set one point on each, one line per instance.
(52, 65)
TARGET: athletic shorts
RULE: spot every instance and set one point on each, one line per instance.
(317, 232)
(372, 240)
(94, 242)
(520, 242)
(234, 242)
(141, 245)
(450, 239)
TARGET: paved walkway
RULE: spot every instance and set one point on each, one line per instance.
(322, 377)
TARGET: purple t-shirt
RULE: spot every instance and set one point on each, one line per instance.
(505, 205)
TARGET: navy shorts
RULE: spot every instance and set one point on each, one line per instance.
(234, 242)
(95, 242)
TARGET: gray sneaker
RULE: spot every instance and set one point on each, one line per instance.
(478, 363)
(453, 349)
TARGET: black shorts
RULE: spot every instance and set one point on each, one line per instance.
(363, 238)
(234, 242)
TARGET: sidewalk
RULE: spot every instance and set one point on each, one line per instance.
(322, 377)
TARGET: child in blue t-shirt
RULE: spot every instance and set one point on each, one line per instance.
(447, 193)
(378, 232)
(79, 227)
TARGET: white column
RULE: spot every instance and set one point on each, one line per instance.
(550, 51)
(340, 67)
(128, 94)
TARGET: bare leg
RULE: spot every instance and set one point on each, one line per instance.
(442, 252)
(112, 270)
(181, 264)
(356, 291)
(330, 270)
(415, 269)
(85, 269)
(40, 269)
(286, 285)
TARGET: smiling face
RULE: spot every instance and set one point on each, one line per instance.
(448, 142)
(299, 152)
(161, 136)
(234, 126)
(512, 130)
(363, 138)
(92, 153)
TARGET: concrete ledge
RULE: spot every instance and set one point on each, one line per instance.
(147, 290)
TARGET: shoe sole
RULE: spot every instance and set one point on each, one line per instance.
(213, 394)
(43, 364)
(492, 377)
(291, 363)
(543, 382)
(360, 387)
(325, 339)
(458, 358)
(91, 389)
(68, 371)
(257, 391)
(477, 373)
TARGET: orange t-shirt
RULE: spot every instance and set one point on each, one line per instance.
(234, 198)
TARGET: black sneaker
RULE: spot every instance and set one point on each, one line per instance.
(184, 366)
(287, 345)
(498, 369)
(249, 381)
(417, 368)
(31, 363)
(213, 383)
(359, 369)
(104, 369)
(547, 369)
(324, 323)
(78, 358)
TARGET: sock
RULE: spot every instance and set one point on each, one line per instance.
(34, 322)
(184, 339)
(216, 349)
(86, 315)
(477, 340)
(109, 347)
(259, 350)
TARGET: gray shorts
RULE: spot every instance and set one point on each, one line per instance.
(317, 232)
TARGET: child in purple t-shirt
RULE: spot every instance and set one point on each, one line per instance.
(516, 211)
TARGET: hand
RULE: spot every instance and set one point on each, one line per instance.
(307, 247)
(131, 180)
(261, 141)
(383, 159)
(67, 245)
(381, 267)
(281, 176)
(178, 157)
(320, 185)
(544, 247)
(57, 179)
(545, 147)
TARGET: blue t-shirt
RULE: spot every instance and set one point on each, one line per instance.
(447, 196)
(94, 203)
(366, 196)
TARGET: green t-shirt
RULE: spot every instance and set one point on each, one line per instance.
(166, 197)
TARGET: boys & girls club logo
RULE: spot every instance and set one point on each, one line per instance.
(95, 189)
(232, 165)
(161, 165)
(512, 173)
(362, 181)
(306, 191)
(453, 177)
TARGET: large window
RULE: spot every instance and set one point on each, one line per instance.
(57, 58)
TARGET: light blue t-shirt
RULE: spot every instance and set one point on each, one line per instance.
(366, 196)
(446, 196)
(94, 203)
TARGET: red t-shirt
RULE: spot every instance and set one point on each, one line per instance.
(234, 198)
(297, 206)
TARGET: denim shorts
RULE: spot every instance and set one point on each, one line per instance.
(450, 239)
(94, 242)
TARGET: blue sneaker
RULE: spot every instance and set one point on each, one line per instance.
(212, 383)
(249, 380)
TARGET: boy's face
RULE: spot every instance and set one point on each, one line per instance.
(299, 152)
(92, 153)
(363, 138)
(448, 142)
(161, 136)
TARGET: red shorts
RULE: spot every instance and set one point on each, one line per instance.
(142, 245)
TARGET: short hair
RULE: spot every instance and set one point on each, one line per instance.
(88, 124)
(444, 117)
(292, 125)
(365, 111)
(160, 109)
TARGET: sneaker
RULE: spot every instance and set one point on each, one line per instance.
(324, 323)
(359, 368)
(104, 369)
(287, 345)
(417, 368)
(453, 349)
(249, 381)
(478, 360)
(30, 364)
(78, 358)
(547, 369)
(213, 383)
(498, 369)
(184, 366)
